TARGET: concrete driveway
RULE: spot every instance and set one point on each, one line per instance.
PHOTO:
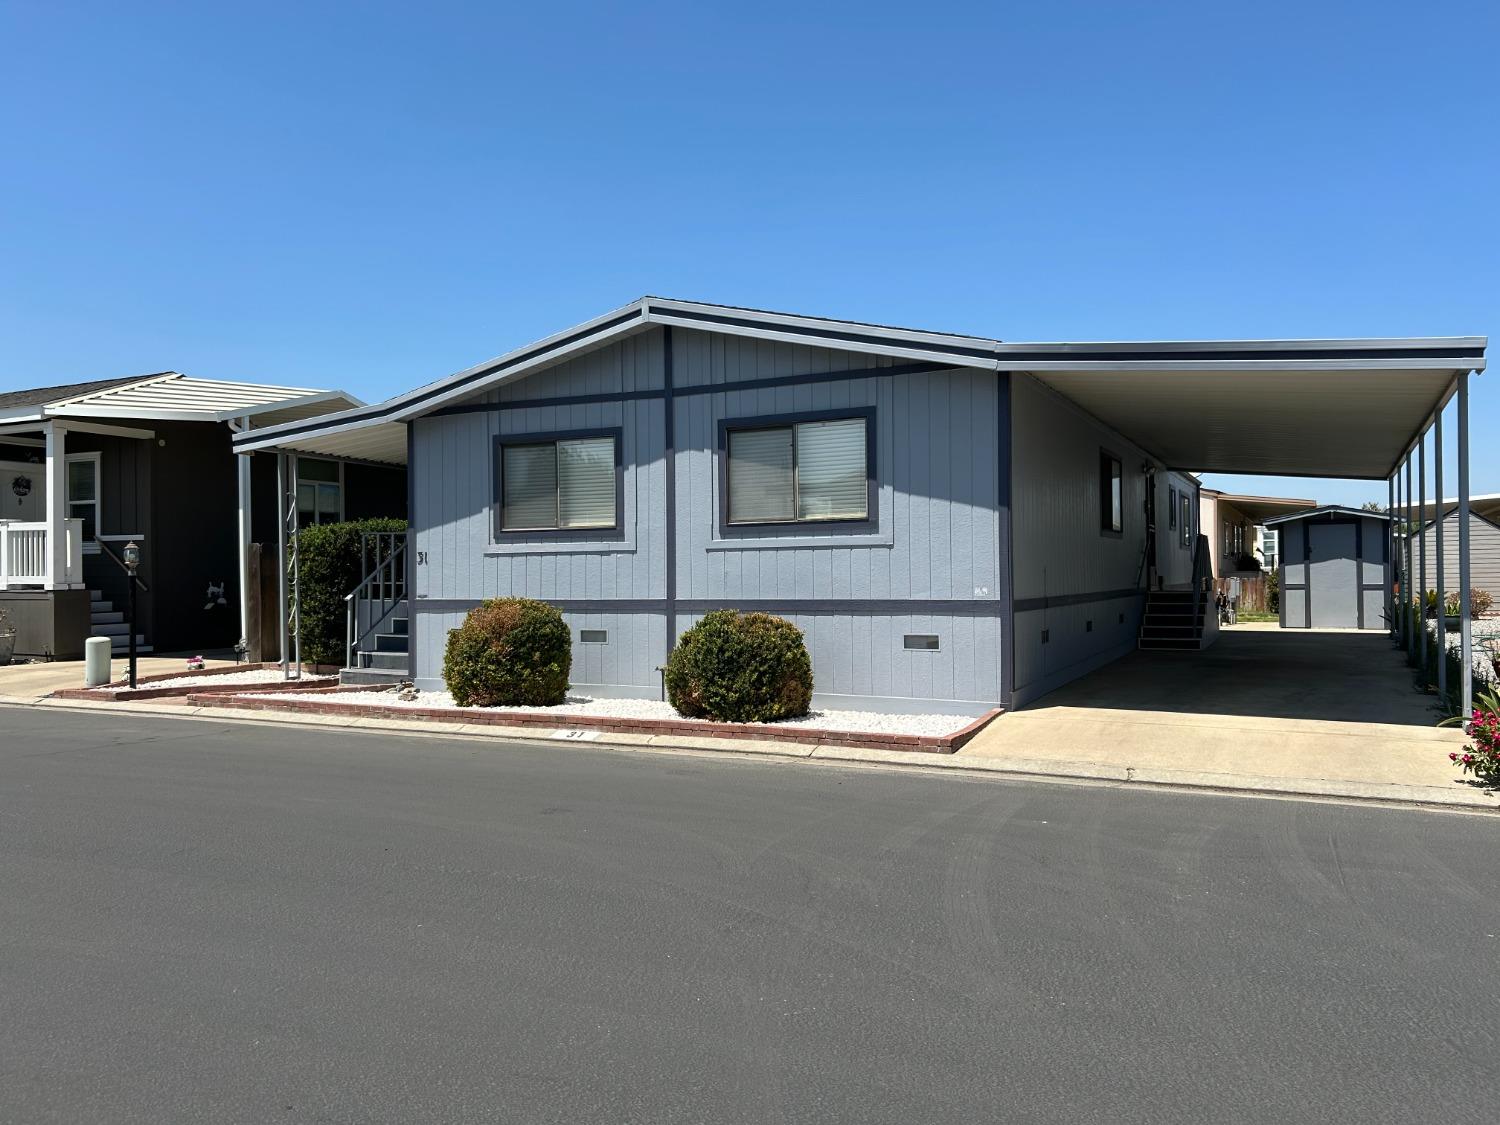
(1334, 705)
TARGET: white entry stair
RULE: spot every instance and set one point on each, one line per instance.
(107, 621)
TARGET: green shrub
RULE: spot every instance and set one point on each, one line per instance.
(1273, 592)
(509, 652)
(328, 569)
(740, 668)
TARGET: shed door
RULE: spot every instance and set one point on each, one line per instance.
(1332, 576)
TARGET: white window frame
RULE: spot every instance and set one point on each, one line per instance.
(90, 546)
(298, 484)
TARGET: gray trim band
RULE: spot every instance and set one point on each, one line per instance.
(970, 607)
(1057, 601)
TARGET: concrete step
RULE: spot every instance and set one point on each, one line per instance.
(120, 646)
(1165, 644)
(373, 677)
(390, 661)
(391, 642)
(95, 595)
(107, 617)
(110, 628)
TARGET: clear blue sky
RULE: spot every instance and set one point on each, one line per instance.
(372, 195)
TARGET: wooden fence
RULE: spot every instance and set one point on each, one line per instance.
(1252, 591)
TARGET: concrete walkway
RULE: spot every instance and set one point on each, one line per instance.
(30, 682)
(1262, 712)
(1308, 709)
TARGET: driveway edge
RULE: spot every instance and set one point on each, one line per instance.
(1028, 769)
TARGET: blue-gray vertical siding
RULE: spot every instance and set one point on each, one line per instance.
(1078, 591)
(930, 565)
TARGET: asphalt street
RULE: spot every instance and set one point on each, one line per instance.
(206, 922)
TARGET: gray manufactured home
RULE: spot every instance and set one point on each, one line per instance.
(954, 523)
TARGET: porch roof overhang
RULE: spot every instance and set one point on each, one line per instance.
(1322, 408)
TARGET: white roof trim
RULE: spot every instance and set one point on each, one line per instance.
(1226, 357)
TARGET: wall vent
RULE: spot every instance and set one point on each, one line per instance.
(593, 636)
(922, 642)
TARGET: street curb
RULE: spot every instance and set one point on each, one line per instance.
(1020, 769)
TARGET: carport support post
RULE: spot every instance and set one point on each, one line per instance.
(1392, 566)
(1465, 626)
(1406, 591)
(1422, 556)
(1442, 615)
(281, 561)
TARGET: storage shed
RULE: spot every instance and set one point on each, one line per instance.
(1333, 570)
(1484, 551)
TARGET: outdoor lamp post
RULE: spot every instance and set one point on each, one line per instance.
(132, 562)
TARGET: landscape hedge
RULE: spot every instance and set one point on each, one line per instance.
(328, 568)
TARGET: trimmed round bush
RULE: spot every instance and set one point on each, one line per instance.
(509, 652)
(740, 668)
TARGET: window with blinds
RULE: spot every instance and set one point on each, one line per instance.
(802, 472)
(558, 485)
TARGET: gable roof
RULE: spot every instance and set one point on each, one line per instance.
(1328, 510)
(1339, 407)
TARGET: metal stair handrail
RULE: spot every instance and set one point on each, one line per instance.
(383, 583)
(1200, 577)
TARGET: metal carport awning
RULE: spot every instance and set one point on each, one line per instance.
(1353, 409)
(1317, 408)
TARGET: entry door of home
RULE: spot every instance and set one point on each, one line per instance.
(1333, 575)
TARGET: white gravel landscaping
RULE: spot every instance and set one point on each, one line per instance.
(252, 676)
(862, 722)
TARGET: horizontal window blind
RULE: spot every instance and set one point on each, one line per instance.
(831, 481)
(760, 476)
(586, 482)
(529, 474)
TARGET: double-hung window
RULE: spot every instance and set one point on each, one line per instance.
(558, 483)
(811, 471)
(320, 492)
(83, 494)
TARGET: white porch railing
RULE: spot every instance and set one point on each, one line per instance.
(25, 560)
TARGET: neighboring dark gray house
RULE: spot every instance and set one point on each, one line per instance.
(1333, 568)
(88, 467)
(954, 522)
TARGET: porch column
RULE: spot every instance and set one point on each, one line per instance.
(281, 560)
(242, 466)
(1466, 632)
(57, 505)
(1442, 617)
(1422, 555)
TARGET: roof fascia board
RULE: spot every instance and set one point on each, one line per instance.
(29, 415)
(134, 413)
(790, 334)
(69, 423)
(1327, 510)
(1226, 366)
(814, 325)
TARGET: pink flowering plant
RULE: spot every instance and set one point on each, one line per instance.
(1482, 756)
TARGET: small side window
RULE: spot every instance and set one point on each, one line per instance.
(1111, 494)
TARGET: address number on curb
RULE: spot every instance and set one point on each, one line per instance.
(576, 735)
